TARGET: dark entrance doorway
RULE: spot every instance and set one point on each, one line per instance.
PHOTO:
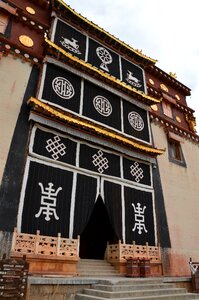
(97, 233)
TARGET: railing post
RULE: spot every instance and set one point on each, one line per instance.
(147, 250)
(134, 249)
(107, 254)
(119, 250)
(78, 245)
(14, 237)
(58, 243)
(159, 252)
(37, 241)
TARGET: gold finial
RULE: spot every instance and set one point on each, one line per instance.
(138, 50)
(191, 120)
(173, 75)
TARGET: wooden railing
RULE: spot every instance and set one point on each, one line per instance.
(122, 252)
(44, 246)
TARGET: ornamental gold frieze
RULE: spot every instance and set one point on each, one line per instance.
(98, 30)
(81, 123)
(103, 75)
(191, 120)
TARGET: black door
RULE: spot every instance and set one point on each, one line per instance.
(98, 232)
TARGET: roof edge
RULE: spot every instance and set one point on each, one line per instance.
(135, 51)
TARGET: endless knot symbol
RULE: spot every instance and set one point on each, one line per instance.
(136, 172)
(55, 147)
(63, 88)
(102, 105)
(100, 161)
(136, 121)
(105, 57)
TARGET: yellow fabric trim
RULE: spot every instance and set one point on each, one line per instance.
(73, 120)
(109, 77)
(107, 33)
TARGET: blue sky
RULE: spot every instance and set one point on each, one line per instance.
(163, 30)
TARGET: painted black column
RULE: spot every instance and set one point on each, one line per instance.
(162, 225)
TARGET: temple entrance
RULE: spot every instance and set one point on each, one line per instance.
(98, 232)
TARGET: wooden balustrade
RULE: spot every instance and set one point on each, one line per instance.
(36, 244)
(118, 254)
(45, 253)
(122, 252)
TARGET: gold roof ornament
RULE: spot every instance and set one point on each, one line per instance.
(177, 97)
(164, 87)
(30, 10)
(178, 119)
(151, 81)
(154, 107)
(90, 126)
(26, 41)
(173, 75)
(191, 120)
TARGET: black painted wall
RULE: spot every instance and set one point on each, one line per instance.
(162, 225)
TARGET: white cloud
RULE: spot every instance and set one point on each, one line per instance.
(164, 30)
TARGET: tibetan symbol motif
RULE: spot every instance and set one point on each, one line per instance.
(136, 171)
(55, 147)
(102, 105)
(26, 41)
(139, 218)
(63, 88)
(136, 121)
(71, 45)
(100, 161)
(132, 79)
(48, 201)
(105, 57)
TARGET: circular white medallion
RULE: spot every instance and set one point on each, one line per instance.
(102, 105)
(63, 88)
(136, 121)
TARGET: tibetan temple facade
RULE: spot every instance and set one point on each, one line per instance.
(99, 151)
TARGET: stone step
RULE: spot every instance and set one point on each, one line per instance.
(98, 274)
(128, 287)
(95, 268)
(186, 296)
(135, 293)
(99, 267)
(133, 281)
(93, 261)
(135, 289)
